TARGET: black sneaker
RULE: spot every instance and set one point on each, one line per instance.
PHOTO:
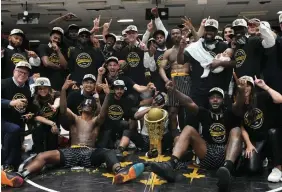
(164, 170)
(224, 179)
(119, 154)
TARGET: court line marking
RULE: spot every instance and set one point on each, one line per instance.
(39, 186)
(276, 190)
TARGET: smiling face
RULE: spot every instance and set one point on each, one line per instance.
(215, 101)
(15, 40)
(88, 85)
(21, 75)
(228, 31)
(210, 33)
(113, 68)
(43, 91)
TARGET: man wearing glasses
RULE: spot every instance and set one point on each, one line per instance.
(16, 103)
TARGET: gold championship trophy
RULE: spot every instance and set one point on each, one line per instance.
(155, 121)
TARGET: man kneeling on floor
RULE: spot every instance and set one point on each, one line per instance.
(84, 131)
(221, 142)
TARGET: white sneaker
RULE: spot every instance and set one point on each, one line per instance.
(275, 175)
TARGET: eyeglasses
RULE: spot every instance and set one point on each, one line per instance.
(22, 72)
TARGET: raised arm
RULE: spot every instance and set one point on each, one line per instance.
(276, 97)
(184, 100)
(104, 109)
(64, 111)
(237, 107)
(140, 114)
(163, 65)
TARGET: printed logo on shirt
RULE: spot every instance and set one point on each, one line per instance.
(54, 58)
(218, 133)
(115, 112)
(83, 60)
(47, 112)
(16, 57)
(20, 96)
(258, 120)
(240, 56)
(133, 59)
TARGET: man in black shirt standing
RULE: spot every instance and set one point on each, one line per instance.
(53, 59)
(221, 142)
(13, 53)
(249, 51)
(201, 86)
(84, 59)
(133, 56)
(15, 103)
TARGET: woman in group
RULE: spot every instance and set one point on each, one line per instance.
(45, 134)
(260, 127)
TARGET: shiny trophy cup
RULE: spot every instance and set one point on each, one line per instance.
(155, 121)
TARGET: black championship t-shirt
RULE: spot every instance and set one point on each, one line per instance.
(248, 57)
(135, 67)
(9, 61)
(45, 110)
(201, 86)
(261, 118)
(156, 78)
(216, 131)
(55, 76)
(11, 91)
(118, 109)
(84, 60)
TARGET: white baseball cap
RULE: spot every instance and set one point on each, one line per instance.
(218, 90)
(211, 23)
(119, 83)
(89, 76)
(280, 18)
(57, 29)
(23, 64)
(239, 23)
(42, 81)
(131, 28)
(248, 79)
(17, 32)
(120, 38)
(81, 30)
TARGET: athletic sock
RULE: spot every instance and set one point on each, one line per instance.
(24, 174)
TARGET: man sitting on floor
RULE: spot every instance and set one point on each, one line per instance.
(84, 131)
(220, 145)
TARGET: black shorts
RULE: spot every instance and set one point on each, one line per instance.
(183, 84)
(214, 158)
(82, 156)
